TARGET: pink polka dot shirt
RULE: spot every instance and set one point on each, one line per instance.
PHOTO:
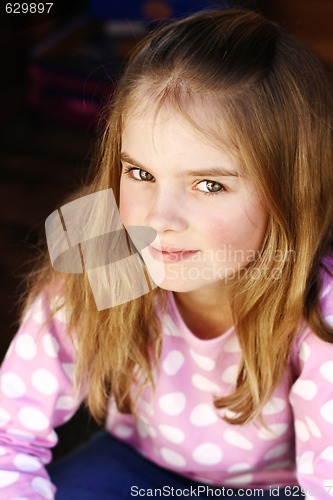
(178, 427)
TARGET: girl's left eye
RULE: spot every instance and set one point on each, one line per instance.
(210, 187)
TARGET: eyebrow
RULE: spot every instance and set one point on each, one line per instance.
(209, 172)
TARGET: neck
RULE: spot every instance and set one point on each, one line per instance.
(206, 313)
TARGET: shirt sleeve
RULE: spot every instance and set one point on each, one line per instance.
(311, 397)
(36, 395)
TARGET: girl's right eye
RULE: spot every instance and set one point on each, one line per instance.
(138, 174)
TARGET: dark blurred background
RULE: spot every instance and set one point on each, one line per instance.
(58, 66)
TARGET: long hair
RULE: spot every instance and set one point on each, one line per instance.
(238, 78)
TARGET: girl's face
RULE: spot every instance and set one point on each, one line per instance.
(207, 215)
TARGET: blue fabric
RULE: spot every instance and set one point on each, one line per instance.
(107, 469)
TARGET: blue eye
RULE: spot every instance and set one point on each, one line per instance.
(211, 187)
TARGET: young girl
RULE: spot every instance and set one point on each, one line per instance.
(218, 381)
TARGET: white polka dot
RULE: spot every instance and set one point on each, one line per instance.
(305, 463)
(2, 451)
(304, 352)
(171, 433)
(52, 437)
(207, 454)
(66, 418)
(33, 419)
(172, 457)
(148, 408)
(65, 403)
(4, 417)
(69, 370)
(204, 384)
(123, 431)
(37, 311)
(8, 477)
(274, 431)
(226, 413)
(142, 429)
(306, 389)
(239, 467)
(42, 486)
(173, 403)
(203, 362)
(301, 430)
(25, 346)
(44, 381)
(314, 429)
(230, 374)
(170, 327)
(50, 345)
(237, 439)
(326, 411)
(145, 429)
(326, 370)
(327, 454)
(329, 319)
(12, 385)
(325, 292)
(152, 431)
(232, 345)
(277, 451)
(19, 433)
(203, 415)
(275, 405)
(62, 313)
(173, 363)
(27, 462)
(241, 479)
(203, 480)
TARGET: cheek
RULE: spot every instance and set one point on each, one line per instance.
(132, 205)
(240, 230)
(126, 207)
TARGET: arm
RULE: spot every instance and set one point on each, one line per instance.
(36, 395)
(312, 400)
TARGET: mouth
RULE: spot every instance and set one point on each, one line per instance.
(171, 254)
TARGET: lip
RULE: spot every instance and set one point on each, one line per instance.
(171, 254)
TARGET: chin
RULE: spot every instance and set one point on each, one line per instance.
(181, 286)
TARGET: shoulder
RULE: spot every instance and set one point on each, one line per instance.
(45, 322)
(309, 349)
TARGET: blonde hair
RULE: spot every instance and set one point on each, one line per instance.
(270, 92)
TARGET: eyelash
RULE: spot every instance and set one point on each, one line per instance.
(128, 170)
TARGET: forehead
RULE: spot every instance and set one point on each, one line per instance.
(168, 138)
(169, 145)
(166, 125)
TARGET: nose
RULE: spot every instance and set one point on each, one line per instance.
(166, 212)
